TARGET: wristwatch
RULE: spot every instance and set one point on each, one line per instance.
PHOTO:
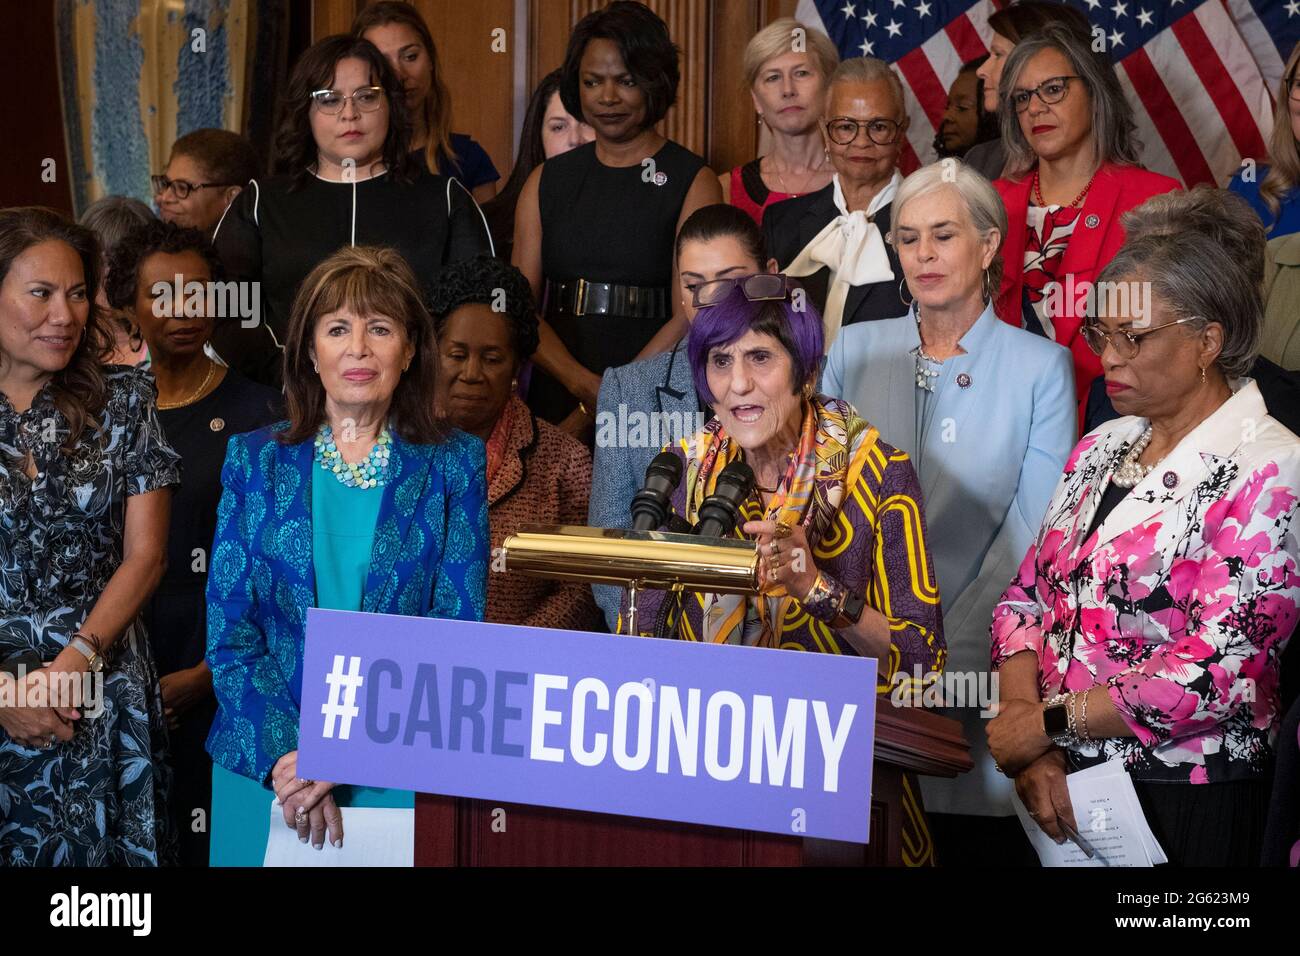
(94, 659)
(851, 609)
(1056, 722)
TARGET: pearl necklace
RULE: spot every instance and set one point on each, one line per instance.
(1130, 471)
(927, 368)
(372, 472)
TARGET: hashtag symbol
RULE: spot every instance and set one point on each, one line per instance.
(343, 684)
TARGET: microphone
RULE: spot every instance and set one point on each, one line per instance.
(721, 510)
(650, 504)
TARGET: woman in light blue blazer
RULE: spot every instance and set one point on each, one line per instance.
(987, 413)
(361, 501)
(652, 403)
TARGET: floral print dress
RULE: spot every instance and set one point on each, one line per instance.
(1180, 602)
(100, 798)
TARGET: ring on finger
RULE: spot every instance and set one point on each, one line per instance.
(782, 531)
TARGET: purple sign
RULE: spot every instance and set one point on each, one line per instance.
(753, 738)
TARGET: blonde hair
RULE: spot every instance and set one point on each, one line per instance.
(777, 38)
(1283, 151)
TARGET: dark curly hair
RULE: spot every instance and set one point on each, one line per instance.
(295, 147)
(142, 242)
(648, 53)
(477, 280)
(78, 389)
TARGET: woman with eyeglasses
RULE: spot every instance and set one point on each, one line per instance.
(1073, 171)
(651, 403)
(986, 413)
(1009, 26)
(344, 177)
(1148, 618)
(834, 239)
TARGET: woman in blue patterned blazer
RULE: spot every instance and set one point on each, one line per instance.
(362, 501)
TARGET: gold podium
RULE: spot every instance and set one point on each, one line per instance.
(637, 560)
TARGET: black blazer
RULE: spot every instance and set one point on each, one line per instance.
(788, 226)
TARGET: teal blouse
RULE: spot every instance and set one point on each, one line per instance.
(343, 522)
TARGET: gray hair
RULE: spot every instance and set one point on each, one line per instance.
(112, 217)
(982, 202)
(867, 69)
(1112, 117)
(1195, 275)
(1218, 213)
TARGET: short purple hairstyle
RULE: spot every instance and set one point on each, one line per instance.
(798, 330)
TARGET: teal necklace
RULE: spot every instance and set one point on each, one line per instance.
(372, 472)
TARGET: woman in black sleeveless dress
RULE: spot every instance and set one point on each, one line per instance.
(595, 226)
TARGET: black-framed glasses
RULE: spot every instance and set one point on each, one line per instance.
(366, 98)
(182, 187)
(1051, 91)
(1125, 342)
(843, 130)
(761, 287)
(1293, 86)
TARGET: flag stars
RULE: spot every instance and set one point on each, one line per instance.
(870, 19)
(867, 49)
(1116, 38)
(1144, 18)
(1093, 4)
(1292, 9)
(848, 9)
(894, 28)
(899, 3)
(923, 9)
(1120, 9)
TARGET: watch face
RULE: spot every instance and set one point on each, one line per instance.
(1055, 720)
(853, 606)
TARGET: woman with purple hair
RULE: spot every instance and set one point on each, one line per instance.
(836, 511)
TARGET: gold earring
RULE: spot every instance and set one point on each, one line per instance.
(1202, 375)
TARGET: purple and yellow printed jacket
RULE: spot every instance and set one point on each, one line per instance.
(1182, 600)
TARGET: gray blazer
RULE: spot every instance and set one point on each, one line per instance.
(642, 408)
(1002, 427)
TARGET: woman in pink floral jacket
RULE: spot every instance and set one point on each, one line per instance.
(1148, 618)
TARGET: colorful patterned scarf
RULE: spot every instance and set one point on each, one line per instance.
(833, 446)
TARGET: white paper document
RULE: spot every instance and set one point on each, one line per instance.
(372, 836)
(1111, 823)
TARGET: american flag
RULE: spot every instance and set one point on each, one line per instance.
(1201, 74)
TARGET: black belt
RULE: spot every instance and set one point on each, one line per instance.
(581, 297)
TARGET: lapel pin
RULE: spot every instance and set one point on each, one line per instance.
(963, 380)
(217, 424)
(1171, 479)
(1093, 221)
(661, 178)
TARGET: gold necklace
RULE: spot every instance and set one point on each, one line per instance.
(212, 370)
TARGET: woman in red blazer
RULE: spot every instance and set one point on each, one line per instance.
(1073, 171)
